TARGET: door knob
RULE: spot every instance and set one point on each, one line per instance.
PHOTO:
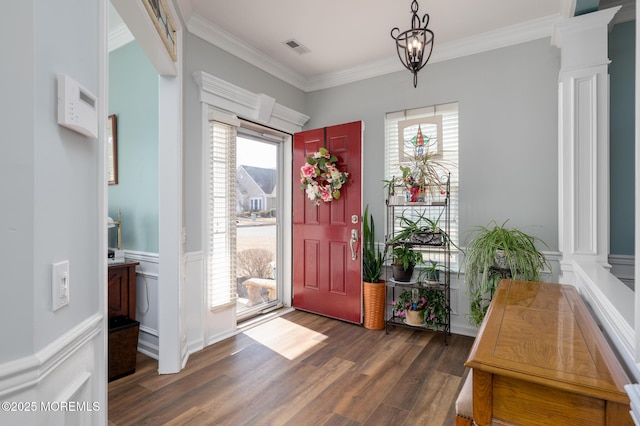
(354, 244)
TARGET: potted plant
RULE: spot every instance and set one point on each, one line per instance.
(495, 252)
(421, 230)
(431, 274)
(423, 173)
(422, 307)
(374, 289)
(404, 260)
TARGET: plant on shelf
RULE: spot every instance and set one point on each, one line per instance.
(423, 173)
(431, 274)
(404, 260)
(495, 252)
(421, 230)
(421, 306)
(374, 290)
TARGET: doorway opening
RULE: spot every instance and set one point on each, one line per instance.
(259, 159)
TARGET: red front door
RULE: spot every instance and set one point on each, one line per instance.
(327, 277)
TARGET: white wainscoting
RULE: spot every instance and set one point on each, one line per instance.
(147, 273)
(194, 301)
(623, 267)
(71, 369)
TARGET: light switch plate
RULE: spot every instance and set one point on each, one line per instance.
(59, 285)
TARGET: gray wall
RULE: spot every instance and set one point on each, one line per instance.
(49, 174)
(202, 56)
(508, 131)
(622, 52)
(133, 97)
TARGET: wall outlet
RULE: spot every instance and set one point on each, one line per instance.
(59, 285)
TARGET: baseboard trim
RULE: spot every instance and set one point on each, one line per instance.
(149, 349)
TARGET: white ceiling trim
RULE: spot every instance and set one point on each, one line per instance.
(202, 28)
(119, 36)
(516, 34)
(508, 36)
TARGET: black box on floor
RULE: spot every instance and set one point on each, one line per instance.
(123, 346)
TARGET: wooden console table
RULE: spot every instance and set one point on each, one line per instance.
(540, 359)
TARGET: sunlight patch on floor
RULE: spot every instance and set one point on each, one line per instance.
(285, 337)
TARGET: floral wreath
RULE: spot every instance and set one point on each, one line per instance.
(320, 178)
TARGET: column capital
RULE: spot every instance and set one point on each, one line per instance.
(583, 39)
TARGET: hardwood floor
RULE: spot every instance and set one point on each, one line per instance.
(301, 369)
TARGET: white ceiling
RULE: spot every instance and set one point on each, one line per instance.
(349, 36)
(350, 39)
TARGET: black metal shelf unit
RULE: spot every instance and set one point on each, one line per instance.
(433, 208)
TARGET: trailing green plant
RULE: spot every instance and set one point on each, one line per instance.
(495, 251)
(372, 257)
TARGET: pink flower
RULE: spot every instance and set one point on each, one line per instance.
(308, 171)
(325, 194)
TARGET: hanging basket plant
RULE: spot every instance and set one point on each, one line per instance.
(320, 177)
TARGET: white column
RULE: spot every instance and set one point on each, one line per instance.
(583, 136)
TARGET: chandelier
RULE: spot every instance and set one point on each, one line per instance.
(414, 45)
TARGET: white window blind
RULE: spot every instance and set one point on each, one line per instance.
(221, 217)
(449, 137)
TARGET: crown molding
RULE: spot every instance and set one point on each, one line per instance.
(516, 34)
(504, 37)
(202, 28)
(508, 36)
(119, 36)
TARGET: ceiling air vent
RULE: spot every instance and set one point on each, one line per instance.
(296, 47)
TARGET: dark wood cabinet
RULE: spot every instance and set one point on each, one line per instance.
(122, 289)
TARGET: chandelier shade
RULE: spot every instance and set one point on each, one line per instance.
(415, 45)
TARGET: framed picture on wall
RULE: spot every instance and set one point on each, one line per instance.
(112, 150)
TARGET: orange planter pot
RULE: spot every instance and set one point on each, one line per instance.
(374, 295)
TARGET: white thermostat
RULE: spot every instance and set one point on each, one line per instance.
(77, 107)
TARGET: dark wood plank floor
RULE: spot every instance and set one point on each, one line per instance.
(301, 369)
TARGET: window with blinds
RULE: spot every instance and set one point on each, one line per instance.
(221, 217)
(438, 123)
